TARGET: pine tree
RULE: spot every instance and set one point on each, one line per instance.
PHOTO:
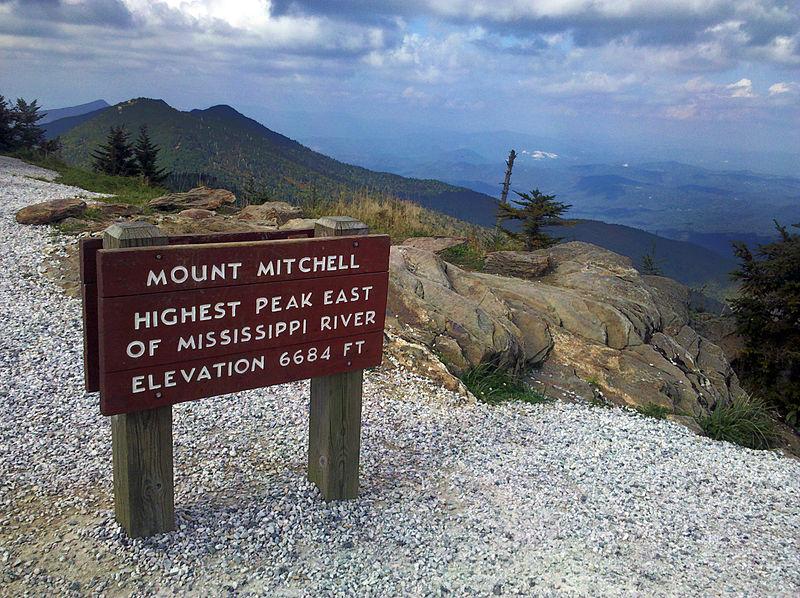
(6, 126)
(767, 311)
(536, 211)
(116, 157)
(26, 133)
(147, 158)
(650, 263)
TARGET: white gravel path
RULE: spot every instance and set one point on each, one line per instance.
(456, 499)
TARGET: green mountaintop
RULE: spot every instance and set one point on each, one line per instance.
(252, 160)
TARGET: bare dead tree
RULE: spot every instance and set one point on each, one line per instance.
(507, 180)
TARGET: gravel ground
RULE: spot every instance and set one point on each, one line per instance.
(456, 499)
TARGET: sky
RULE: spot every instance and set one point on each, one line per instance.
(629, 72)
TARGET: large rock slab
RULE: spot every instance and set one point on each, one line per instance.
(434, 244)
(50, 212)
(450, 311)
(592, 326)
(275, 213)
(199, 197)
(519, 264)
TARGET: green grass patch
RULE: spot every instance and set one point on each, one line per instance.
(654, 411)
(127, 190)
(746, 421)
(465, 256)
(494, 385)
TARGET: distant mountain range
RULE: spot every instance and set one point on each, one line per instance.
(247, 157)
(56, 113)
(680, 201)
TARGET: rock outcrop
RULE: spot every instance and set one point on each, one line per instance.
(200, 197)
(520, 264)
(435, 244)
(274, 213)
(50, 212)
(592, 326)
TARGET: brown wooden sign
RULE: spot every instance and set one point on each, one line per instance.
(183, 322)
(88, 269)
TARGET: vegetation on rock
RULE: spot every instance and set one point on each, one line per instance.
(535, 210)
(493, 385)
(746, 421)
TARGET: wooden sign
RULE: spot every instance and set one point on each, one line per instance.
(88, 271)
(183, 322)
(172, 319)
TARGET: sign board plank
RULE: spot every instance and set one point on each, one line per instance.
(178, 323)
(161, 328)
(184, 267)
(90, 246)
(135, 390)
(88, 273)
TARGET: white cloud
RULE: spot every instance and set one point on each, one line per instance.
(743, 88)
(684, 112)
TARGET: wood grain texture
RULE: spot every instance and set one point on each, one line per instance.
(335, 434)
(144, 501)
(334, 444)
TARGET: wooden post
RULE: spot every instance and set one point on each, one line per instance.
(335, 416)
(144, 501)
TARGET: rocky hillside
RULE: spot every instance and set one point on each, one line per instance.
(586, 325)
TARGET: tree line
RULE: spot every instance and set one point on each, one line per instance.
(118, 156)
(19, 128)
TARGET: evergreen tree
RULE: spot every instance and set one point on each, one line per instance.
(50, 146)
(6, 126)
(536, 211)
(147, 157)
(767, 313)
(116, 157)
(26, 133)
(650, 263)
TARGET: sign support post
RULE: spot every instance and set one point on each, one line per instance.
(334, 441)
(144, 501)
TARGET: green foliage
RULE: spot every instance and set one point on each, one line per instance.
(746, 421)
(6, 126)
(535, 210)
(767, 313)
(650, 263)
(129, 190)
(494, 385)
(467, 256)
(147, 159)
(18, 125)
(653, 410)
(116, 156)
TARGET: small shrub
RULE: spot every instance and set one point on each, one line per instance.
(746, 421)
(494, 385)
(465, 256)
(653, 410)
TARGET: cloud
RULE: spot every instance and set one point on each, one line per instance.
(782, 87)
(684, 112)
(743, 88)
